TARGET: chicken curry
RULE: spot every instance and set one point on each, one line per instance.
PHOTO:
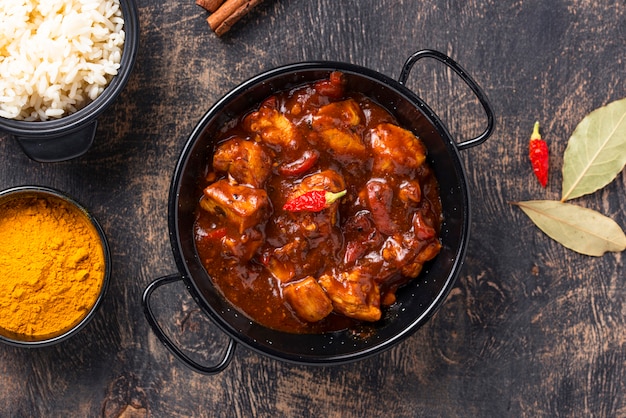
(316, 207)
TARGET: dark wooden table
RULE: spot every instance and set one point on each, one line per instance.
(530, 329)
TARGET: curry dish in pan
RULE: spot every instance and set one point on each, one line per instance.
(315, 208)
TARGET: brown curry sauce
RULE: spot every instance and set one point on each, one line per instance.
(312, 272)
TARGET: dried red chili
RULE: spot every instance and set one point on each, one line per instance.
(539, 156)
(312, 201)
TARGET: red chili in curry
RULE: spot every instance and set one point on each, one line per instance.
(311, 271)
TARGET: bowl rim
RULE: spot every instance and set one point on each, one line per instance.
(33, 190)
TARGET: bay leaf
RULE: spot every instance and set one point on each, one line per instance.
(580, 229)
(596, 151)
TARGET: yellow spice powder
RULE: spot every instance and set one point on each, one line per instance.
(51, 267)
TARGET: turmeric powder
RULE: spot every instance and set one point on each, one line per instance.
(52, 266)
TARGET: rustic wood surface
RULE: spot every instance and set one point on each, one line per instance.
(530, 329)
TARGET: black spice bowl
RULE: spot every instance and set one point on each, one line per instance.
(53, 195)
(416, 302)
(71, 136)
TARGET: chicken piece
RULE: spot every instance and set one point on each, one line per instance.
(244, 246)
(428, 253)
(407, 254)
(395, 149)
(282, 262)
(242, 206)
(410, 192)
(353, 293)
(282, 270)
(414, 267)
(329, 180)
(272, 127)
(245, 161)
(346, 113)
(337, 125)
(343, 143)
(308, 300)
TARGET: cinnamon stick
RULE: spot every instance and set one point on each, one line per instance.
(210, 5)
(229, 13)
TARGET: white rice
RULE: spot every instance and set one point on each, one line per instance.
(56, 56)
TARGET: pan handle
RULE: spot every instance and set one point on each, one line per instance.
(177, 352)
(450, 63)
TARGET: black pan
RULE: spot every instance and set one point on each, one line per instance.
(416, 302)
